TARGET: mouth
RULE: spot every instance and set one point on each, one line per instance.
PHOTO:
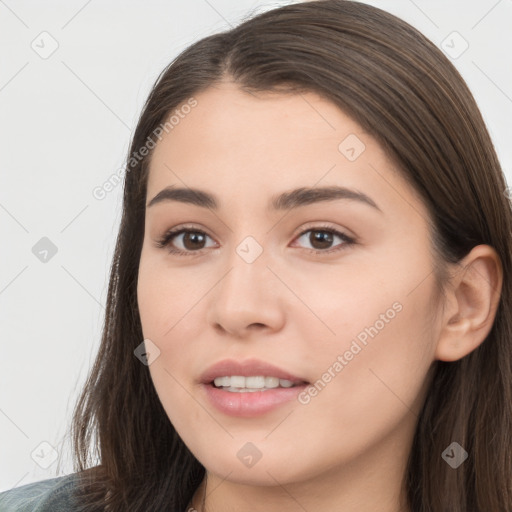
(252, 383)
(249, 388)
(250, 374)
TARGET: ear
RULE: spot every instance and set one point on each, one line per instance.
(471, 303)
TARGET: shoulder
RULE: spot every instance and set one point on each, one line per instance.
(52, 495)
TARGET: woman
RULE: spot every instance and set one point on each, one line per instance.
(310, 294)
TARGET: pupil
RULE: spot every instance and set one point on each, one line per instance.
(194, 237)
(324, 237)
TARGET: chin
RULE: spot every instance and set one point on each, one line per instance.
(267, 471)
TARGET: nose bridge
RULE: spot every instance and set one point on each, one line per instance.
(246, 294)
(248, 248)
(245, 283)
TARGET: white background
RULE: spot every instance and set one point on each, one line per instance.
(65, 126)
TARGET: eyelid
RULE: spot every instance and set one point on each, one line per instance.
(319, 225)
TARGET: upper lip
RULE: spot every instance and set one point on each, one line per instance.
(247, 368)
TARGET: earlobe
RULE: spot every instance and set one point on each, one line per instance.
(473, 297)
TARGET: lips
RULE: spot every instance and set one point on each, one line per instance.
(249, 403)
(248, 368)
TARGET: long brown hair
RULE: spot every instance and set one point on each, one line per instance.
(403, 91)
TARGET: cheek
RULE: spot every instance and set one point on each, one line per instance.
(371, 375)
(373, 344)
(165, 296)
(166, 300)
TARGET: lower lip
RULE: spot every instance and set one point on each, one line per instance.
(250, 404)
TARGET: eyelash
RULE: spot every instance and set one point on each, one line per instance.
(172, 233)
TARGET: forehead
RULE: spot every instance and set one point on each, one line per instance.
(233, 142)
(224, 115)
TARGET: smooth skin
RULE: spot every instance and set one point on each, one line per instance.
(347, 448)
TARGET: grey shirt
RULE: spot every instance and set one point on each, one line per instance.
(52, 495)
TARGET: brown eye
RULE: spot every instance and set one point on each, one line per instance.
(191, 241)
(321, 239)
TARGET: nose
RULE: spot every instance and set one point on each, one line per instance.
(248, 298)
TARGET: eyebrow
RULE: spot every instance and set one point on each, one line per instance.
(285, 201)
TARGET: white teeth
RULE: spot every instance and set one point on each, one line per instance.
(252, 383)
(222, 381)
(271, 382)
(237, 381)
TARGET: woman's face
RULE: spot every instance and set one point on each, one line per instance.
(265, 279)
